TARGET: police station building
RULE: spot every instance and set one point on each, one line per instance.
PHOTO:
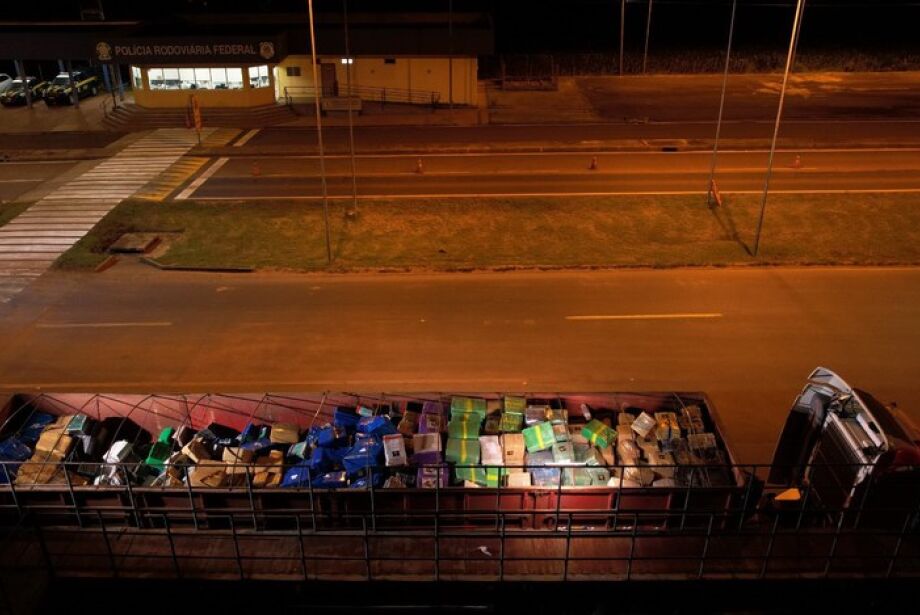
(248, 60)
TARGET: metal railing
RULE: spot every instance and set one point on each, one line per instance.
(304, 94)
(692, 531)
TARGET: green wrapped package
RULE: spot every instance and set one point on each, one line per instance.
(539, 437)
(161, 449)
(577, 477)
(599, 476)
(563, 453)
(561, 431)
(464, 426)
(597, 433)
(514, 404)
(462, 452)
(467, 405)
(474, 474)
(490, 476)
(493, 425)
(512, 422)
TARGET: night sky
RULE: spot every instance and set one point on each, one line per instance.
(559, 26)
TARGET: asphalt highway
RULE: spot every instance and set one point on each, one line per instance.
(559, 173)
(798, 133)
(748, 337)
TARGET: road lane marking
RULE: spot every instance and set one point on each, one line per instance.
(20, 181)
(246, 137)
(99, 325)
(649, 151)
(483, 195)
(689, 315)
(201, 179)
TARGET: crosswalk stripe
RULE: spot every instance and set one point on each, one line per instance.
(32, 241)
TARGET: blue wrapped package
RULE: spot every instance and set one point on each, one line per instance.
(362, 482)
(330, 480)
(345, 418)
(11, 451)
(365, 453)
(331, 436)
(376, 425)
(256, 445)
(32, 430)
(323, 460)
(297, 476)
(250, 433)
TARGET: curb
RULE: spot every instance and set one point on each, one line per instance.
(155, 263)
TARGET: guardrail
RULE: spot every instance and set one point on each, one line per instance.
(301, 94)
(695, 531)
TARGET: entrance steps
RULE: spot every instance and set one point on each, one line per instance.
(133, 117)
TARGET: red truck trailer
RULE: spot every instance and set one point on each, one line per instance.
(652, 491)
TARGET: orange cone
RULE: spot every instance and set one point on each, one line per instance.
(256, 170)
(593, 165)
(418, 167)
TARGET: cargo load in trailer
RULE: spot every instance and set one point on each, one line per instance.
(465, 486)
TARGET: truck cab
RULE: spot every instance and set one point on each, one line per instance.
(842, 451)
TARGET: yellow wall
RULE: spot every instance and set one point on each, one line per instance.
(245, 97)
(407, 73)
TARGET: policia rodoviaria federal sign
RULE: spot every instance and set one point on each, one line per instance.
(189, 50)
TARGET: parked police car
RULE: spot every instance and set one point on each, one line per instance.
(16, 94)
(59, 92)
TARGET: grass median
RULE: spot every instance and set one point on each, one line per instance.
(8, 211)
(451, 234)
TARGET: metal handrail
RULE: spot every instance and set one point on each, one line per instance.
(366, 93)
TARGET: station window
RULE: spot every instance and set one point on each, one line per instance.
(136, 78)
(389, 60)
(258, 76)
(214, 78)
(293, 71)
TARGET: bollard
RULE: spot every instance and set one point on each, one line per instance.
(256, 170)
(418, 167)
(593, 165)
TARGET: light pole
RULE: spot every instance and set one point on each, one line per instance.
(648, 30)
(790, 57)
(319, 133)
(715, 145)
(622, 31)
(351, 213)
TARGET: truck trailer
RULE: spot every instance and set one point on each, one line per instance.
(465, 486)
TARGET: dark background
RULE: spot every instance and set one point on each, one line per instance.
(528, 26)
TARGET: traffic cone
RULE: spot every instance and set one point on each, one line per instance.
(418, 167)
(256, 170)
(797, 163)
(593, 165)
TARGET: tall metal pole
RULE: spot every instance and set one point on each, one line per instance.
(319, 133)
(715, 145)
(353, 211)
(790, 57)
(450, 56)
(622, 31)
(648, 30)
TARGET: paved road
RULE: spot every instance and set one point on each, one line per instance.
(799, 133)
(18, 178)
(560, 173)
(746, 336)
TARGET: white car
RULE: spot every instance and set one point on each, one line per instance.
(5, 82)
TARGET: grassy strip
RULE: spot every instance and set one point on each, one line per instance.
(8, 211)
(521, 232)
